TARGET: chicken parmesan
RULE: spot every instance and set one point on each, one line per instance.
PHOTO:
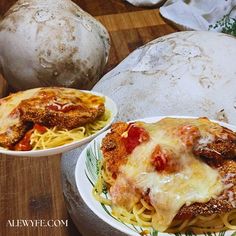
(178, 174)
(49, 117)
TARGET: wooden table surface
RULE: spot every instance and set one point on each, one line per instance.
(30, 188)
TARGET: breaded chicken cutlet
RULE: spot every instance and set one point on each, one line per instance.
(55, 108)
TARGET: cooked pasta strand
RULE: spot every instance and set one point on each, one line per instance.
(54, 137)
(142, 212)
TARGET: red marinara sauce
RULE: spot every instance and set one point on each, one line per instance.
(66, 107)
(135, 136)
(40, 128)
(165, 160)
(24, 144)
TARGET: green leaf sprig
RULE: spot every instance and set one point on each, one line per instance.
(227, 24)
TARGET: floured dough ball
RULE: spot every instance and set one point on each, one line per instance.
(185, 73)
(51, 43)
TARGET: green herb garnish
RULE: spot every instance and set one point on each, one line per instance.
(227, 24)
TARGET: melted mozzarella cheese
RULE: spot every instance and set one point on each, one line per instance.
(168, 192)
(89, 99)
(8, 104)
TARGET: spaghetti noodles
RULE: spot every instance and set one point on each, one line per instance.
(54, 137)
(142, 213)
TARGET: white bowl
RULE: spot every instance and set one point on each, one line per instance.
(109, 105)
(86, 176)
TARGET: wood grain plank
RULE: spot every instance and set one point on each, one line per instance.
(5, 5)
(94, 7)
(31, 189)
(98, 8)
(131, 20)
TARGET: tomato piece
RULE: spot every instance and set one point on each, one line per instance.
(40, 128)
(189, 134)
(165, 160)
(159, 159)
(135, 136)
(24, 144)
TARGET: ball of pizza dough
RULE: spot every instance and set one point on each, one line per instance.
(184, 73)
(51, 43)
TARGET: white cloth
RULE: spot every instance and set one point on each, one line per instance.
(197, 14)
(147, 3)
